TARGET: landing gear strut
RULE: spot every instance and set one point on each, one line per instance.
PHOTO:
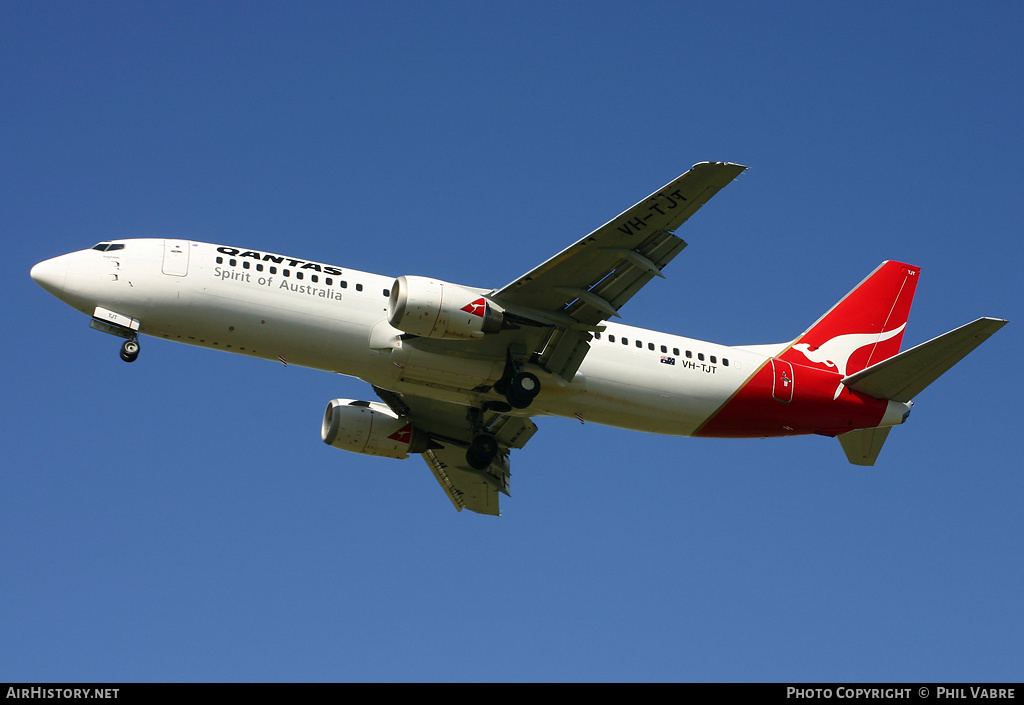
(130, 350)
(484, 448)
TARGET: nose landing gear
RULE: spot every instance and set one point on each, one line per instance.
(120, 325)
(130, 350)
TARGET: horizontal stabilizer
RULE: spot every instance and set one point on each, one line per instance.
(904, 376)
(862, 447)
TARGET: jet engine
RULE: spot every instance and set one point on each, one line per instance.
(371, 428)
(436, 309)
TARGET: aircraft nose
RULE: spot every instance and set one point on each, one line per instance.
(50, 275)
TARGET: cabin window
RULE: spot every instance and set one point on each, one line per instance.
(664, 349)
(344, 284)
(597, 336)
(298, 275)
(714, 360)
(675, 351)
(328, 281)
(650, 346)
(273, 270)
(245, 264)
(611, 338)
(689, 354)
(359, 287)
(287, 272)
(625, 341)
(700, 356)
(220, 260)
(639, 344)
(725, 362)
(314, 278)
(232, 262)
(386, 293)
(259, 267)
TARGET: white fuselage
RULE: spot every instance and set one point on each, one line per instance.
(335, 319)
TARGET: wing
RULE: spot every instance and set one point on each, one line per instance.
(553, 309)
(451, 428)
(593, 278)
(590, 281)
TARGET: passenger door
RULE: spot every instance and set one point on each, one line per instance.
(175, 258)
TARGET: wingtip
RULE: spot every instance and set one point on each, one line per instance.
(741, 167)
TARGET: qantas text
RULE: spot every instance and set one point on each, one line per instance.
(278, 259)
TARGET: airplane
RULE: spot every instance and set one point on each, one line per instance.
(461, 372)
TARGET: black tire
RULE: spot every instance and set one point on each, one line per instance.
(522, 389)
(130, 351)
(482, 452)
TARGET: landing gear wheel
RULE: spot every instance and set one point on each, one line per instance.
(130, 350)
(522, 389)
(482, 451)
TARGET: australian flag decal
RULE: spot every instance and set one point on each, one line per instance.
(667, 360)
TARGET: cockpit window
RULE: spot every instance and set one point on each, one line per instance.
(109, 246)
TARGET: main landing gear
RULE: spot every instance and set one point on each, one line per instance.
(522, 389)
(519, 386)
(484, 447)
(130, 350)
(482, 451)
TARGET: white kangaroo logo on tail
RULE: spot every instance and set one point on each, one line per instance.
(837, 351)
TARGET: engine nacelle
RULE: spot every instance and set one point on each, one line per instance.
(436, 309)
(371, 428)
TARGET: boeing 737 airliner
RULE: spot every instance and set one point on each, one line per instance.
(461, 371)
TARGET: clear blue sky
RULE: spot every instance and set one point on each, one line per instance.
(179, 519)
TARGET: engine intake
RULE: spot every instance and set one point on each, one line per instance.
(437, 309)
(371, 428)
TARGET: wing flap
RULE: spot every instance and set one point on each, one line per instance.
(466, 488)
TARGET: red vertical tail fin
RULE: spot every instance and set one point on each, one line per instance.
(865, 327)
